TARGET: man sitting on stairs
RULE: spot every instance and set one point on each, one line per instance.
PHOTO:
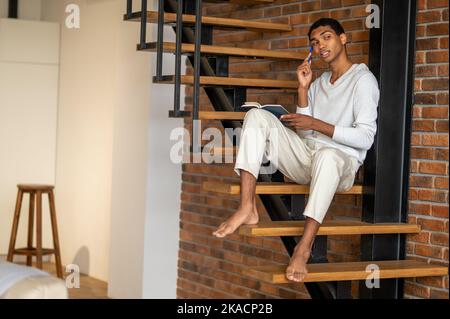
(335, 125)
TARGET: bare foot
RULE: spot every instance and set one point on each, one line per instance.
(296, 270)
(243, 216)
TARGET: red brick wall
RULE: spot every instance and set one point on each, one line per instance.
(210, 267)
(428, 195)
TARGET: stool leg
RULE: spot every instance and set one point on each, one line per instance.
(12, 241)
(30, 227)
(39, 230)
(51, 199)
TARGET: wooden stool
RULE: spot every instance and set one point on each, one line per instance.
(35, 193)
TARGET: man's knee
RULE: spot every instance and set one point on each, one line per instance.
(330, 157)
(257, 114)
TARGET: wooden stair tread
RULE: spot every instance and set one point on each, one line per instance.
(350, 271)
(296, 228)
(223, 50)
(219, 150)
(213, 115)
(152, 17)
(270, 188)
(227, 81)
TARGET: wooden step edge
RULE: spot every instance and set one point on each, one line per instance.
(169, 47)
(350, 271)
(230, 82)
(218, 150)
(227, 23)
(213, 115)
(271, 188)
(296, 228)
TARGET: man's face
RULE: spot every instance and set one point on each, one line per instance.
(326, 43)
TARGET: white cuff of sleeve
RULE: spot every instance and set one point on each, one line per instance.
(304, 110)
(339, 134)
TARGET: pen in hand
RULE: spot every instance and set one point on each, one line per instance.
(310, 54)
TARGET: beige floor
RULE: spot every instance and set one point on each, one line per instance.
(90, 288)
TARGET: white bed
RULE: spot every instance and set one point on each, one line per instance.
(22, 282)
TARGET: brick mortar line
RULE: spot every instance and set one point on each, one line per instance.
(432, 232)
(416, 91)
(429, 175)
(434, 202)
(431, 9)
(429, 287)
(424, 175)
(431, 161)
(431, 77)
(430, 218)
(429, 244)
(438, 37)
(428, 259)
(433, 23)
(418, 202)
(435, 63)
(430, 132)
(425, 202)
(431, 63)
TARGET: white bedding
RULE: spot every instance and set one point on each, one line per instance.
(21, 282)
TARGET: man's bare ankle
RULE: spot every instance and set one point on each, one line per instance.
(246, 207)
(302, 248)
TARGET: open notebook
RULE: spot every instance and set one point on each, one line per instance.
(275, 109)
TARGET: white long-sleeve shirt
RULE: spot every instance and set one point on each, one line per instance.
(350, 104)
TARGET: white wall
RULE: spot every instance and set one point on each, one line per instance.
(146, 185)
(119, 195)
(29, 58)
(28, 9)
(85, 135)
(164, 184)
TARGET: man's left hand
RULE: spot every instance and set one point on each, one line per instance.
(298, 121)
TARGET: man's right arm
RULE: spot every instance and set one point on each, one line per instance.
(304, 101)
(303, 97)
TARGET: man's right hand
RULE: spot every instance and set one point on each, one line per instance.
(304, 74)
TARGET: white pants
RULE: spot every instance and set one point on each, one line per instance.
(304, 161)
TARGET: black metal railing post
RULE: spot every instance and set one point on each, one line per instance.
(195, 107)
(129, 9)
(198, 38)
(143, 42)
(179, 33)
(159, 40)
(13, 8)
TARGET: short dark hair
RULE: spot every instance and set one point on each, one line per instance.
(332, 23)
